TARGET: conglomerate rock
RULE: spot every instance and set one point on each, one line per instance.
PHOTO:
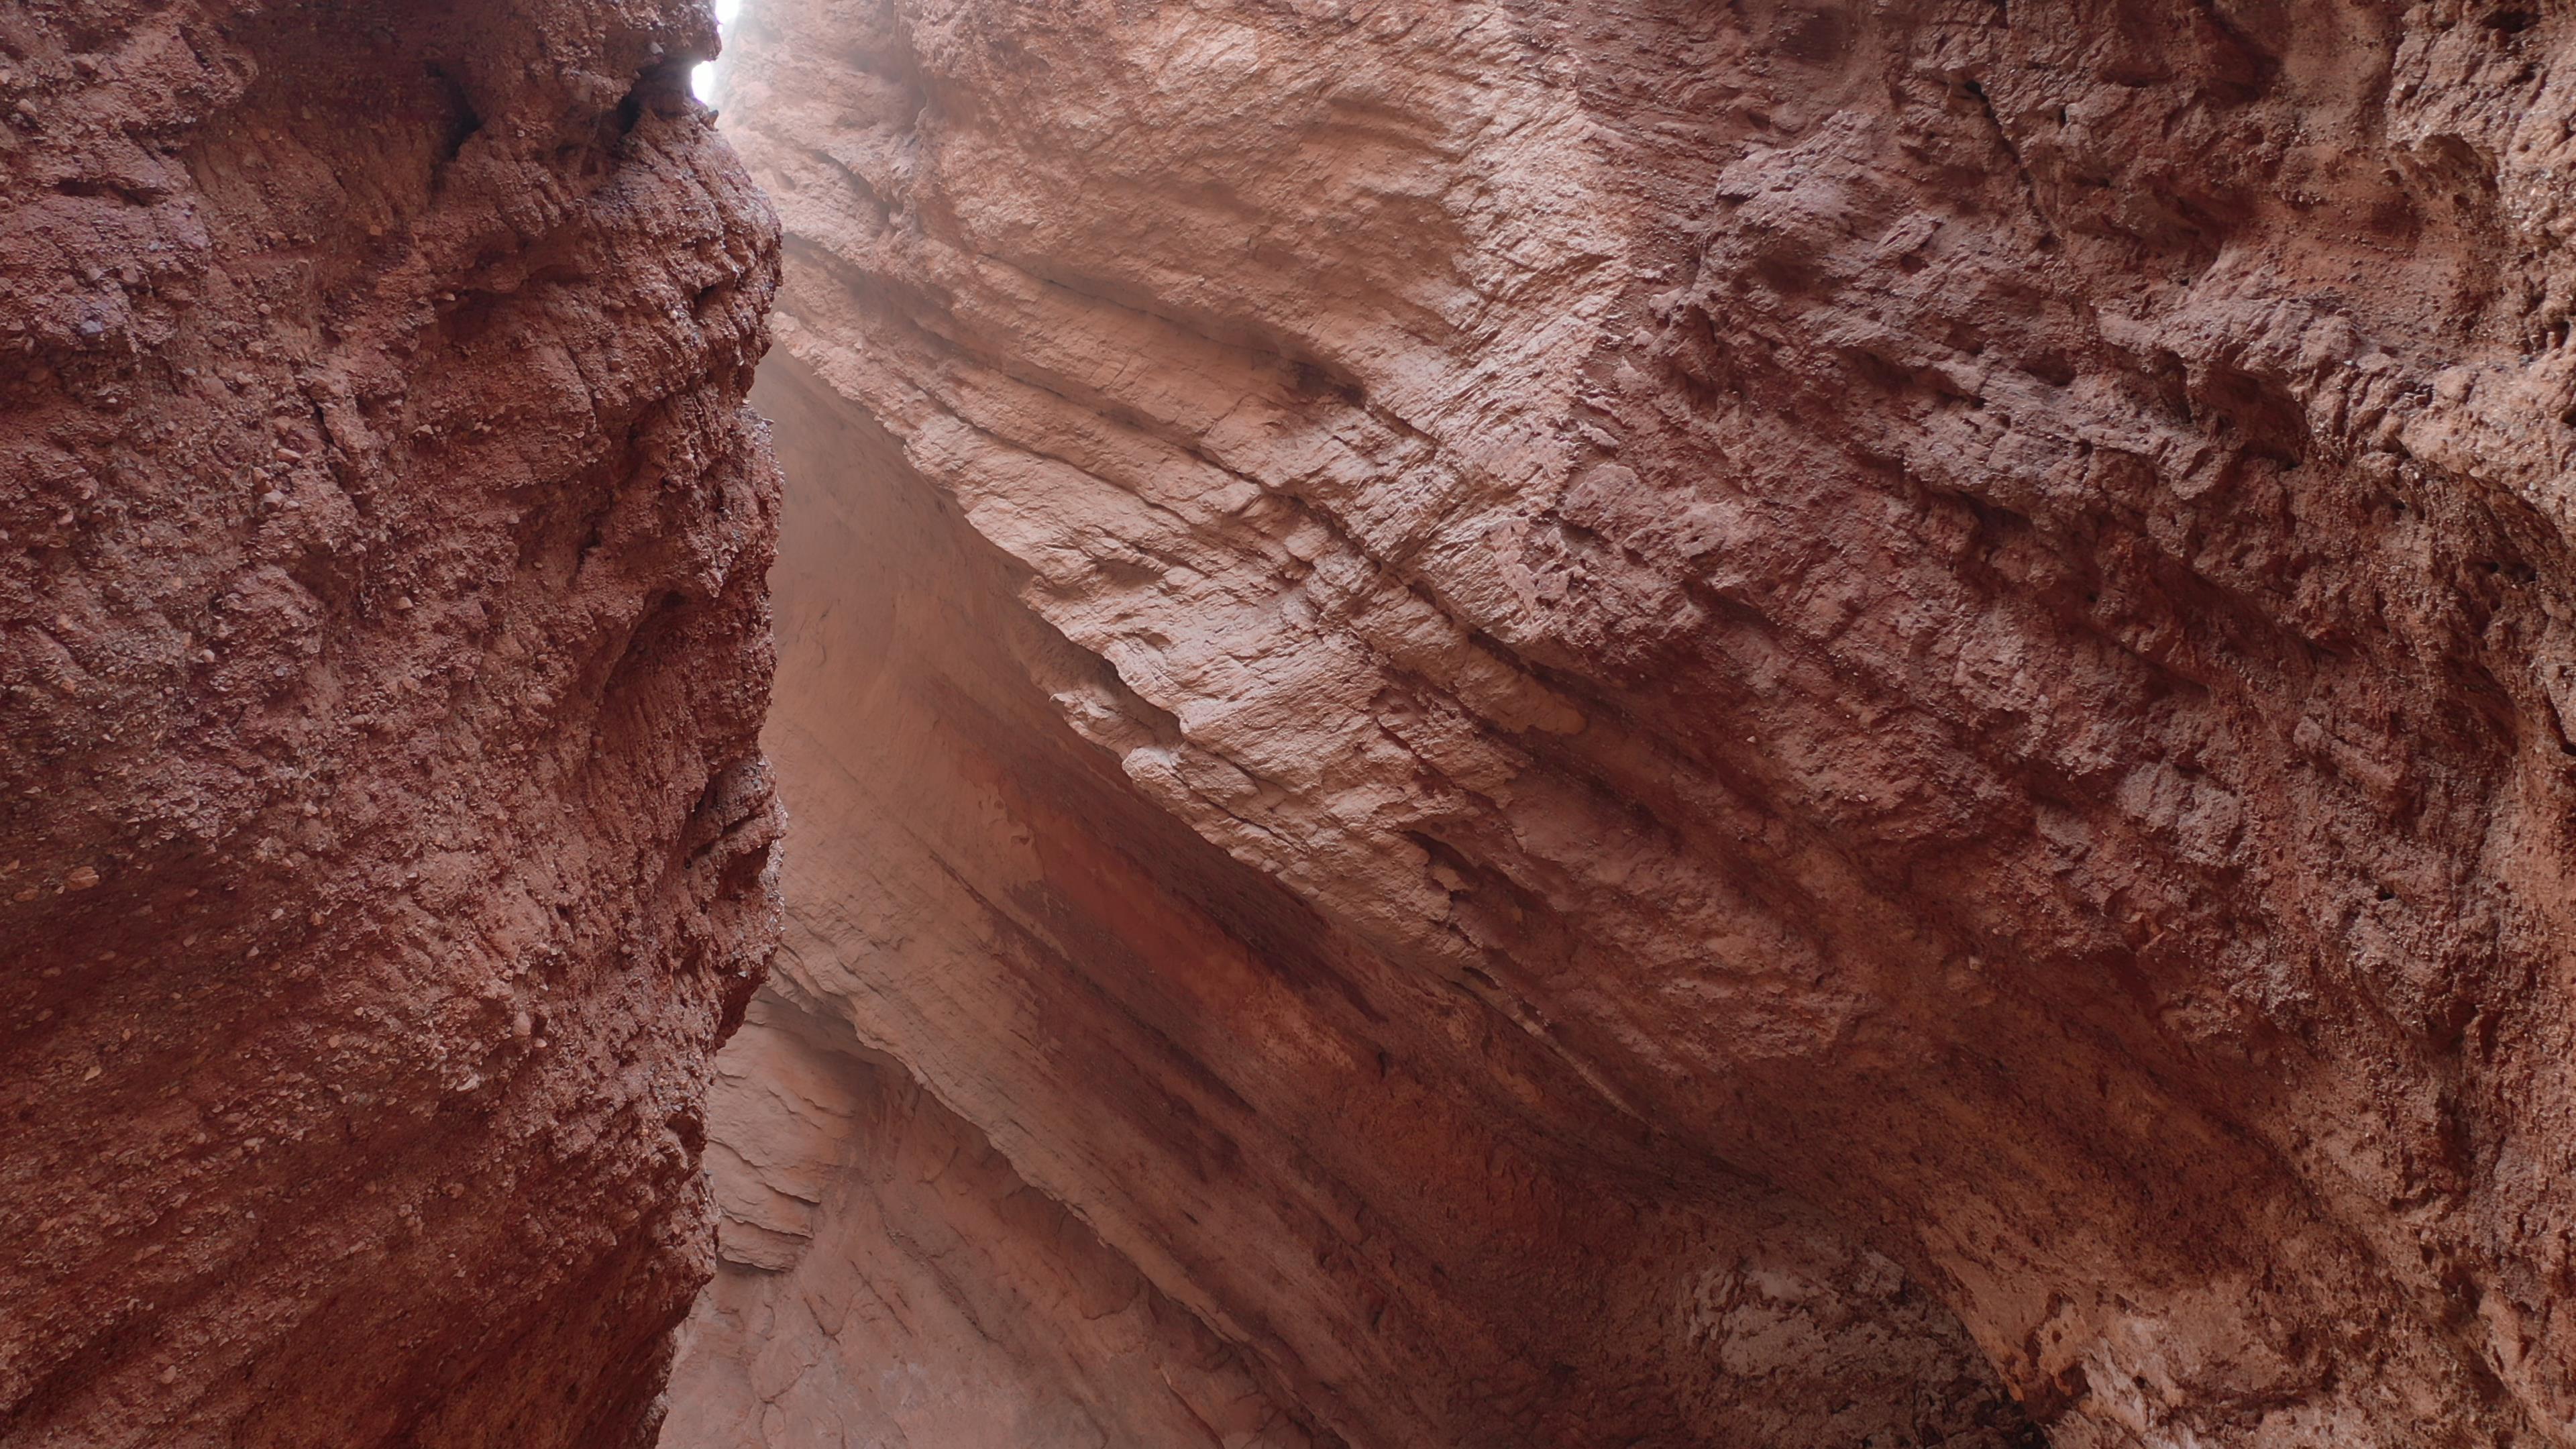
(1662, 723)
(385, 843)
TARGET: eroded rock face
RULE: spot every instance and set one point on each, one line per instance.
(1385, 1215)
(386, 841)
(1656, 723)
(887, 1277)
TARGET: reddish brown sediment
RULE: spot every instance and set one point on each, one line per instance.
(383, 646)
(1657, 724)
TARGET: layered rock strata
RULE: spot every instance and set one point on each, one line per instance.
(1381, 1214)
(1647, 723)
(385, 846)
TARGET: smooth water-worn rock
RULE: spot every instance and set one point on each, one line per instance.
(1650, 723)
(384, 846)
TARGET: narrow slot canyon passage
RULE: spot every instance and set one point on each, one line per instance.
(1643, 725)
(1287, 724)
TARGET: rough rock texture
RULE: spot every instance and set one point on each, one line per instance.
(383, 644)
(1608, 723)
(1413, 1223)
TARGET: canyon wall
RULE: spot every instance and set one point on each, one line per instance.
(1656, 723)
(385, 845)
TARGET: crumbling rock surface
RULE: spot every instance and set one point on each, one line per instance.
(383, 645)
(1659, 723)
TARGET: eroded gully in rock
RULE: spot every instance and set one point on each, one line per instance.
(1507, 723)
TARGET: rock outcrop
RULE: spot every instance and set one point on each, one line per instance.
(1655, 723)
(383, 645)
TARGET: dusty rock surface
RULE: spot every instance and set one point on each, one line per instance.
(1564, 706)
(385, 844)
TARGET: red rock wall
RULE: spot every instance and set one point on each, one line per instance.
(886, 1276)
(1385, 1215)
(1562, 705)
(383, 642)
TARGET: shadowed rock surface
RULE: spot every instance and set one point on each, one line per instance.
(383, 644)
(1649, 723)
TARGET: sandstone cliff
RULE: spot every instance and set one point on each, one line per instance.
(1657, 723)
(383, 644)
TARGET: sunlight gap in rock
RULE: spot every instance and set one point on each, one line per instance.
(702, 76)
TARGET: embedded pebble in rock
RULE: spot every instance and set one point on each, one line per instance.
(383, 649)
(1659, 724)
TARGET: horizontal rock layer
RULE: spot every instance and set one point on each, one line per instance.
(1649, 723)
(383, 646)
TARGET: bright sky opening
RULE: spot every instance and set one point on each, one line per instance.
(702, 77)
